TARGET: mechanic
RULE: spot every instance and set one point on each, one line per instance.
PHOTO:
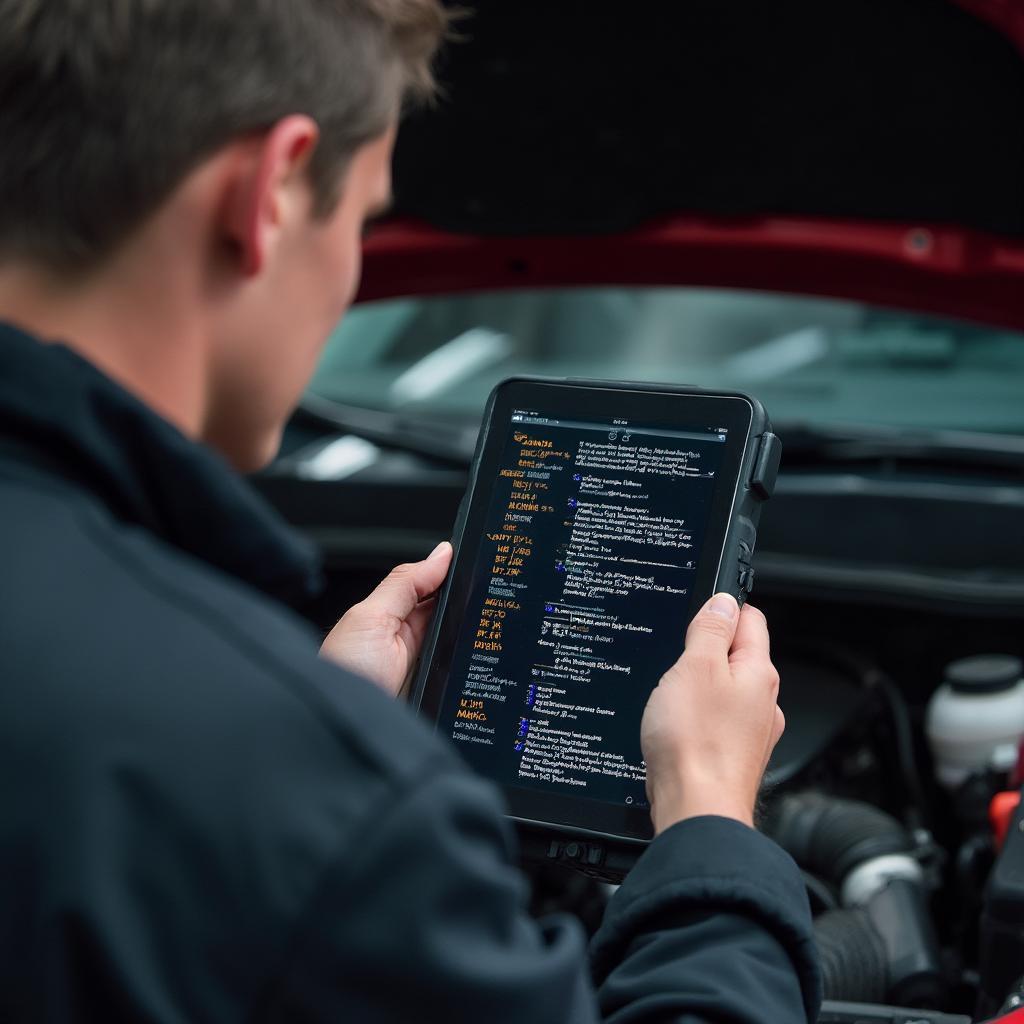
(203, 818)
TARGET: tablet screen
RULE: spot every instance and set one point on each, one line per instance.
(590, 541)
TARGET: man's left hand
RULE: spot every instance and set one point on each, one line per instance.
(380, 638)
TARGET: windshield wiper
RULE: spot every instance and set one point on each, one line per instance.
(808, 444)
(443, 440)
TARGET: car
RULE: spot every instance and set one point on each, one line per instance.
(822, 204)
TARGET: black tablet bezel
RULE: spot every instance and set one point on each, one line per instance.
(654, 407)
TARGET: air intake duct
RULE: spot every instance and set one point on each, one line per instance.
(881, 945)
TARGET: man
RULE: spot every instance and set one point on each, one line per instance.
(202, 819)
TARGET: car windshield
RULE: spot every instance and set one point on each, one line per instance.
(810, 360)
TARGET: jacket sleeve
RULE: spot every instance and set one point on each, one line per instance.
(712, 924)
(427, 920)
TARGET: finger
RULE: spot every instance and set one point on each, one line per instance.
(430, 573)
(752, 640)
(712, 630)
(407, 585)
(418, 622)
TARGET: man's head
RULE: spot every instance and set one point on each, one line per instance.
(251, 136)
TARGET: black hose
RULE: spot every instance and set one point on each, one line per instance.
(884, 946)
(820, 892)
(854, 965)
(903, 736)
(829, 837)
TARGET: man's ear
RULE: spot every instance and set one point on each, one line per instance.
(269, 187)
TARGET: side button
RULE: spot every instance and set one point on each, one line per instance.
(766, 466)
(746, 580)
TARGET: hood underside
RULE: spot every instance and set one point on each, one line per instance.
(582, 117)
(859, 148)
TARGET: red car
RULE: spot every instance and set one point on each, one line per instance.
(822, 204)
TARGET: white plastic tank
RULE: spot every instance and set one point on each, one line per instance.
(975, 719)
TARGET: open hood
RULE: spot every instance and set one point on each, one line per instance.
(860, 148)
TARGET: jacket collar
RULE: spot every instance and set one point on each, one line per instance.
(62, 414)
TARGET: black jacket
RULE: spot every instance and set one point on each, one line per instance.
(200, 820)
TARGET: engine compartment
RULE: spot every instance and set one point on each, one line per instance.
(897, 865)
(881, 861)
(874, 577)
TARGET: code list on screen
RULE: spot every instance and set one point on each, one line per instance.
(582, 591)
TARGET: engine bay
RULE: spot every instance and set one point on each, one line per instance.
(917, 902)
(892, 586)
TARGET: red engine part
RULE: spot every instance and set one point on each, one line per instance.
(1000, 814)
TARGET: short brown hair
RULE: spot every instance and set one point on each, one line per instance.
(106, 105)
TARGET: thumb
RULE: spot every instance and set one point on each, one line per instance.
(713, 628)
(405, 586)
(430, 573)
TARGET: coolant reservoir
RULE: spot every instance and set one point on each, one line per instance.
(975, 719)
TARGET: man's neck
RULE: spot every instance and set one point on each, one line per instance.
(127, 323)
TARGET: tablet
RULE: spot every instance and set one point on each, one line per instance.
(598, 519)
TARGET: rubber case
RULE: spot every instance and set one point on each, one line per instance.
(605, 856)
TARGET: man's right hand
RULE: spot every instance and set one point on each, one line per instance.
(712, 722)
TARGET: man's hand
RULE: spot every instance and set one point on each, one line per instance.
(713, 721)
(380, 638)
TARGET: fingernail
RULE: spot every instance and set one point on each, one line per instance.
(724, 605)
(441, 548)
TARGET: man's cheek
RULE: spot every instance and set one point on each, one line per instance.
(354, 270)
